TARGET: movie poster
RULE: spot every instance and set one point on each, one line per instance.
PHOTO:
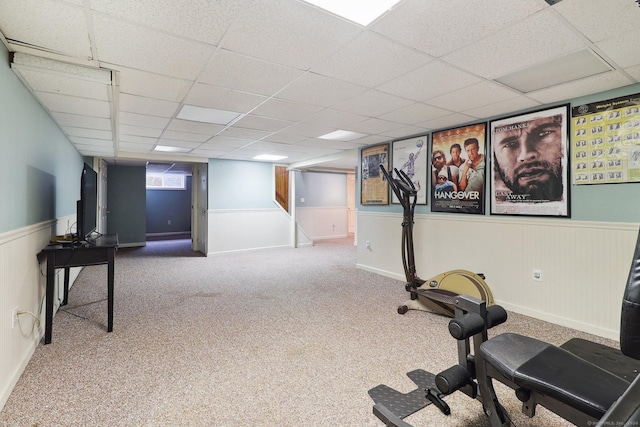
(374, 189)
(410, 157)
(606, 141)
(458, 169)
(530, 164)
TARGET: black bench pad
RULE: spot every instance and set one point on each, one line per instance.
(553, 371)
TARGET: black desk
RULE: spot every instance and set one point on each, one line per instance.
(101, 251)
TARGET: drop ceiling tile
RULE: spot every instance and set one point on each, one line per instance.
(624, 49)
(185, 136)
(125, 44)
(634, 72)
(243, 73)
(136, 148)
(194, 127)
(102, 143)
(288, 32)
(94, 151)
(203, 95)
(286, 110)
(405, 131)
(206, 21)
(435, 78)
(374, 126)
(140, 131)
(414, 113)
(150, 85)
(588, 17)
(285, 138)
(86, 122)
(319, 90)
(333, 118)
(538, 39)
(452, 120)
(225, 141)
(148, 106)
(372, 103)
(74, 105)
(134, 139)
(237, 132)
(575, 89)
(309, 130)
(143, 120)
(474, 96)
(445, 26)
(262, 123)
(87, 133)
(170, 142)
(65, 85)
(371, 60)
(503, 107)
(47, 24)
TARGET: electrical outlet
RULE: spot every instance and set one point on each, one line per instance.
(169, 222)
(367, 245)
(14, 316)
(537, 275)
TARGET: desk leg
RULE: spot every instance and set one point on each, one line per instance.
(110, 263)
(51, 285)
(67, 272)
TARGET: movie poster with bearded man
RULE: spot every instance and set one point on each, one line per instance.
(530, 171)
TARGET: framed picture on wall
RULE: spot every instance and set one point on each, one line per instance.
(530, 173)
(458, 165)
(374, 189)
(410, 157)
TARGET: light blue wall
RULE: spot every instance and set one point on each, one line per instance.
(235, 184)
(320, 189)
(39, 168)
(605, 202)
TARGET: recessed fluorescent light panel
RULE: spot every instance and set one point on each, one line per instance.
(170, 149)
(362, 12)
(574, 66)
(342, 135)
(269, 157)
(207, 115)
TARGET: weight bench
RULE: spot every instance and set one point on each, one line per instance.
(583, 382)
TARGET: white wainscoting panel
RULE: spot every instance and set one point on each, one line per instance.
(324, 222)
(232, 230)
(22, 285)
(584, 265)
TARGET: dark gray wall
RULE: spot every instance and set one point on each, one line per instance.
(164, 206)
(126, 203)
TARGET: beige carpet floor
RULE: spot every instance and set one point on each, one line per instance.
(278, 337)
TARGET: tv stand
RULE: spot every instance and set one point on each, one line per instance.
(100, 251)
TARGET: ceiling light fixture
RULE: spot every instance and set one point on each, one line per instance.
(269, 157)
(170, 149)
(207, 115)
(342, 135)
(362, 12)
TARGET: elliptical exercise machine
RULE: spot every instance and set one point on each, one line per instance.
(436, 294)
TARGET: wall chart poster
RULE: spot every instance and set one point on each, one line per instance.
(530, 163)
(410, 157)
(605, 140)
(458, 169)
(374, 189)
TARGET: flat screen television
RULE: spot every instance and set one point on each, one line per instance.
(87, 206)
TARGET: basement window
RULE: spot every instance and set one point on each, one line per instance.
(167, 181)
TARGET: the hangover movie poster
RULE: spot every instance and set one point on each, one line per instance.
(458, 169)
(530, 170)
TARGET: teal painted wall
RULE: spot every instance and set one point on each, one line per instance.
(320, 189)
(235, 184)
(605, 202)
(127, 203)
(39, 168)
